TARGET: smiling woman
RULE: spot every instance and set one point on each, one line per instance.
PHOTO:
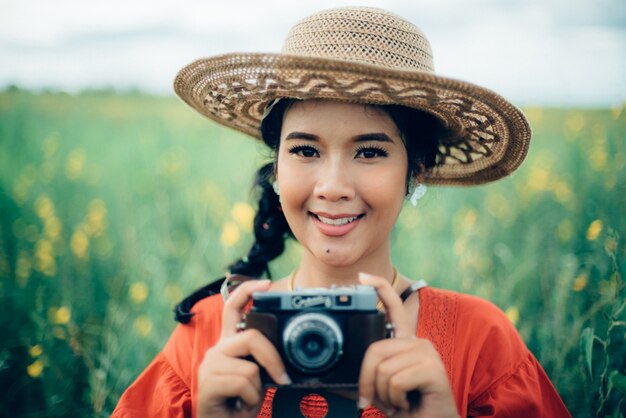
(342, 183)
(356, 120)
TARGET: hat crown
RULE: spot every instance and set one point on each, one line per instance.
(364, 35)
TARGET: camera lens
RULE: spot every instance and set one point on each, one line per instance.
(313, 342)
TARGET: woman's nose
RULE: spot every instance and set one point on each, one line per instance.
(334, 182)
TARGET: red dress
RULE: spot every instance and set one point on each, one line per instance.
(491, 371)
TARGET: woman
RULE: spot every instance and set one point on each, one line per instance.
(358, 122)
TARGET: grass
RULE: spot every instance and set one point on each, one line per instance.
(114, 206)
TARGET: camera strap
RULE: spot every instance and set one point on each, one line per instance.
(286, 403)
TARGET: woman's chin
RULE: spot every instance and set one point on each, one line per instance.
(336, 258)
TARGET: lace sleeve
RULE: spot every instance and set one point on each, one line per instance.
(157, 392)
(527, 392)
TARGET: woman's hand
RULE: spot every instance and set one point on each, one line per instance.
(228, 384)
(396, 369)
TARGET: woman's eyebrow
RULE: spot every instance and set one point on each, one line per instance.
(301, 135)
(376, 136)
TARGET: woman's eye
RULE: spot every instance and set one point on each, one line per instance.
(304, 151)
(370, 152)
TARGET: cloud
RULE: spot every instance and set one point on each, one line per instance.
(532, 51)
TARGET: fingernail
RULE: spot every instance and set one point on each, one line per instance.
(284, 379)
(363, 402)
(365, 276)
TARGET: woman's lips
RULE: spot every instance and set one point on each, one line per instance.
(335, 225)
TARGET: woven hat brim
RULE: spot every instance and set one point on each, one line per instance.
(234, 90)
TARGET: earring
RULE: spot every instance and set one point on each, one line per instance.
(417, 193)
(275, 187)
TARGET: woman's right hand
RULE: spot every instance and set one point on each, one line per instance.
(228, 384)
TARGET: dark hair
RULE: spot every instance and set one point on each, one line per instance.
(420, 132)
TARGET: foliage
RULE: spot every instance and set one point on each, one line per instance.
(113, 207)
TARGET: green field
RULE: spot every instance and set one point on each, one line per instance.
(115, 206)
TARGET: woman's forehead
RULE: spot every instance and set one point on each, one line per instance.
(319, 113)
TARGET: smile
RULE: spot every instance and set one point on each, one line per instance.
(338, 221)
(336, 225)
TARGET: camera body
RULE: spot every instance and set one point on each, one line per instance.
(321, 334)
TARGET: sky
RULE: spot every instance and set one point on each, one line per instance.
(533, 52)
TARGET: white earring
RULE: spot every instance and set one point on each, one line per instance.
(275, 187)
(417, 193)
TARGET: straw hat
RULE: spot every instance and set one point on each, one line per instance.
(364, 55)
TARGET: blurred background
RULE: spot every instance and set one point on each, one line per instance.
(116, 200)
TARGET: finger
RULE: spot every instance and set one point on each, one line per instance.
(375, 354)
(392, 302)
(235, 386)
(252, 342)
(223, 379)
(228, 365)
(393, 373)
(385, 373)
(235, 305)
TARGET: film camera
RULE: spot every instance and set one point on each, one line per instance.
(321, 334)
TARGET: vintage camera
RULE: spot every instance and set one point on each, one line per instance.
(321, 334)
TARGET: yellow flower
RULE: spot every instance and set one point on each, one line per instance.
(138, 292)
(562, 191)
(75, 164)
(61, 316)
(143, 325)
(79, 243)
(52, 227)
(43, 248)
(598, 158)
(594, 230)
(230, 234)
(470, 217)
(539, 178)
(35, 350)
(243, 214)
(96, 216)
(580, 283)
(44, 257)
(44, 207)
(513, 314)
(34, 370)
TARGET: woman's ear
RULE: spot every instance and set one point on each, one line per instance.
(417, 188)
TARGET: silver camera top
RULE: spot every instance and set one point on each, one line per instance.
(360, 298)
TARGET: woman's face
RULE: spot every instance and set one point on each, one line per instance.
(341, 171)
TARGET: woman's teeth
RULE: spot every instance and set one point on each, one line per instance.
(337, 222)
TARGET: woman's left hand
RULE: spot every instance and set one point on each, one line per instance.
(396, 367)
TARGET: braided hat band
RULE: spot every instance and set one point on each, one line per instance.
(364, 55)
